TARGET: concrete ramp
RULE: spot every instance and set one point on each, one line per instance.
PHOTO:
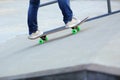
(95, 48)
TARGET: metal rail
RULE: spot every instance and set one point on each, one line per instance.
(109, 6)
(48, 3)
(107, 14)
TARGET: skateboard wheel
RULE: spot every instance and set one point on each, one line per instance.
(41, 41)
(74, 31)
(78, 28)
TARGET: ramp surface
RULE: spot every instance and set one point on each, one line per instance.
(95, 48)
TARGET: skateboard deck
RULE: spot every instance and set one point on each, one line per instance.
(75, 29)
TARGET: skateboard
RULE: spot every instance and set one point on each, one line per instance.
(75, 29)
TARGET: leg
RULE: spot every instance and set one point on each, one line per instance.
(66, 10)
(32, 16)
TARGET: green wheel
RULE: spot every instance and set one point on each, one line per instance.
(74, 31)
(78, 28)
(41, 41)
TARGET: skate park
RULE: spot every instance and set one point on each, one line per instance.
(91, 54)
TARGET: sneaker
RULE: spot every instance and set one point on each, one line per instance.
(72, 23)
(35, 35)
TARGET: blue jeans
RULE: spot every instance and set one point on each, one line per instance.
(64, 6)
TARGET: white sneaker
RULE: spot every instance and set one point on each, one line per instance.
(35, 35)
(72, 23)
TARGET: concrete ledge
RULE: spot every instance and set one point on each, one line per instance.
(111, 71)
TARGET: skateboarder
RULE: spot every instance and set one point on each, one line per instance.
(64, 6)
